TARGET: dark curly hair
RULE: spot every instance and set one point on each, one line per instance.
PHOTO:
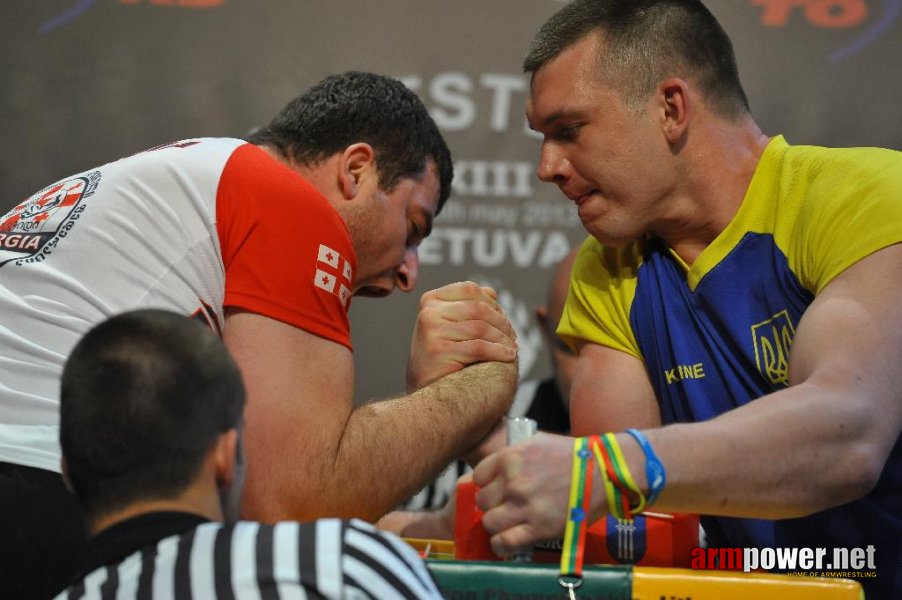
(362, 107)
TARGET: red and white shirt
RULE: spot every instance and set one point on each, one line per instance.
(192, 227)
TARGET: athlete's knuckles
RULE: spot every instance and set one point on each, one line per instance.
(509, 465)
(430, 312)
(503, 517)
(471, 289)
(532, 452)
(513, 540)
(481, 348)
(498, 545)
(466, 350)
(489, 497)
(488, 312)
(483, 330)
(428, 298)
(461, 327)
(472, 311)
(522, 488)
(490, 520)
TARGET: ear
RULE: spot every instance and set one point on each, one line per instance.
(356, 165)
(676, 105)
(225, 458)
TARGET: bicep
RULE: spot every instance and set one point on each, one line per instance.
(850, 338)
(611, 392)
(299, 399)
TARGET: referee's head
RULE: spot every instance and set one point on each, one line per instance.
(149, 400)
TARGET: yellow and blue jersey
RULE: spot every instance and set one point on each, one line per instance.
(717, 334)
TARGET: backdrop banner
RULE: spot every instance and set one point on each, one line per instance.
(88, 81)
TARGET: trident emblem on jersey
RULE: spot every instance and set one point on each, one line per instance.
(773, 339)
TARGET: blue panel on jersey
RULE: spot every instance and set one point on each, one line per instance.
(725, 343)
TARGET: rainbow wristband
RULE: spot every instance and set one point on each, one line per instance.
(617, 488)
(623, 472)
(654, 469)
(577, 513)
(618, 503)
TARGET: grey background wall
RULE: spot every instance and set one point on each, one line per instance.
(88, 81)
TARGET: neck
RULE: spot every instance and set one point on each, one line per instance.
(206, 505)
(716, 172)
(321, 175)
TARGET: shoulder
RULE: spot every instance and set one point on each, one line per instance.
(603, 286)
(256, 188)
(200, 153)
(849, 206)
(251, 168)
(343, 536)
(353, 554)
(815, 172)
(598, 268)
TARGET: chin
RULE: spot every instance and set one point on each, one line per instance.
(372, 292)
(609, 240)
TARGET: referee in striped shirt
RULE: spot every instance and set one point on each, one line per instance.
(150, 418)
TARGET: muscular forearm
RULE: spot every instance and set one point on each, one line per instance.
(391, 448)
(789, 454)
(311, 454)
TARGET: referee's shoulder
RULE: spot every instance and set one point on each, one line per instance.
(375, 562)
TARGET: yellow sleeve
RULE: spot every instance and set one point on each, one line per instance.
(602, 288)
(849, 212)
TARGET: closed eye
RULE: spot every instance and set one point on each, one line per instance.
(568, 133)
(416, 234)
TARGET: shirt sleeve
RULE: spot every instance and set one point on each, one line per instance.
(851, 212)
(286, 252)
(602, 288)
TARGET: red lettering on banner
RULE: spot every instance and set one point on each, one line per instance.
(829, 14)
(835, 13)
(776, 12)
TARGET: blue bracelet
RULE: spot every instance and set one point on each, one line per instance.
(654, 470)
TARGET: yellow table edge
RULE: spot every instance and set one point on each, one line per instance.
(652, 583)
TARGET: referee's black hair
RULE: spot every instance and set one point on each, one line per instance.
(144, 396)
(356, 107)
(643, 43)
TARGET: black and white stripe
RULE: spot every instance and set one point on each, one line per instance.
(329, 558)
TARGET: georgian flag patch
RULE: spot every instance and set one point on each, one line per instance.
(333, 273)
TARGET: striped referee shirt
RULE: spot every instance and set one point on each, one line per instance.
(329, 558)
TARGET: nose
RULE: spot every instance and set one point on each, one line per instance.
(553, 166)
(408, 271)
